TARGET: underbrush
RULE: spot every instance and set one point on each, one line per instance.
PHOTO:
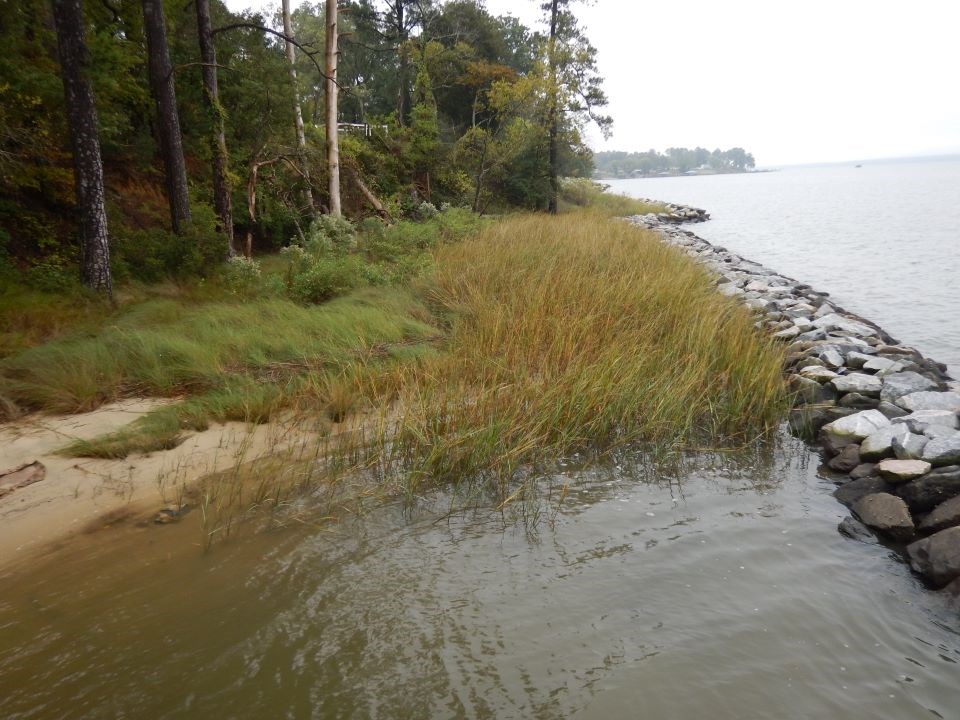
(581, 193)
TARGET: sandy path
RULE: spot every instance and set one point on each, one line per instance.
(81, 494)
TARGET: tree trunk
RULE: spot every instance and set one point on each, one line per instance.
(554, 120)
(87, 163)
(368, 194)
(168, 120)
(333, 146)
(298, 112)
(403, 91)
(221, 184)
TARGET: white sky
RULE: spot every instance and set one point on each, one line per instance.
(792, 82)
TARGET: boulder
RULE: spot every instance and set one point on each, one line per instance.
(909, 446)
(856, 427)
(833, 321)
(847, 460)
(788, 333)
(930, 400)
(863, 470)
(899, 471)
(891, 410)
(858, 383)
(807, 391)
(937, 558)
(943, 516)
(856, 530)
(937, 486)
(857, 360)
(885, 513)
(921, 419)
(881, 364)
(818, 373)
(856, 401)
(904, 383)
(806, 422)
(940, 451)
(850, 492)
(879, 444)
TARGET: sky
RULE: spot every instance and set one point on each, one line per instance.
(791, 82)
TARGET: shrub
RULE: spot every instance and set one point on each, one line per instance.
(241, 276)
(324, 278)
(331, 234)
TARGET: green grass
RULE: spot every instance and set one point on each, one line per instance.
(580, 193)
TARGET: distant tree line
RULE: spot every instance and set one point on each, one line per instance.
(675, 161)
(152, 138)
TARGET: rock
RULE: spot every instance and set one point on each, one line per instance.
(879, 364)
(891, 410)
(809, 391)
(878, 445)
(847, 460)
(857, 401)
(21, 476)
(729, 289)
(170, 514)
(943, 516)
(787, 333)
(937, 558)
(806, 422)
(909, 446)
(813, 335)
(921, 419)
(858, 383)
(818, 373)
(886, 514)
(940, 451)
(832, 321)
(858, 426)
(862, 470)
(856, 530)
(831, 358)
(929, 400)
(850, 492)
(937, 486)
(899, 471)
(904, 383)
(857, 360)
(937, 431)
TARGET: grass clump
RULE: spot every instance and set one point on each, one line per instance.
(566, 335)
(580, 193)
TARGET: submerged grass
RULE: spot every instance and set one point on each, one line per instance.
(568, 334)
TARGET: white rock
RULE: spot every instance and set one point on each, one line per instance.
(930, 400)
(858, 426)
(921, 419)
(859, 383)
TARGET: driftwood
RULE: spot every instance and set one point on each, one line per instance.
(367, 193)
(21, 477)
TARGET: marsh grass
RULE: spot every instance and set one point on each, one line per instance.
(568, 336)
(578, 194)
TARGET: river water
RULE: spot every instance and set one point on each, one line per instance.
(718, 590)
(883, 239)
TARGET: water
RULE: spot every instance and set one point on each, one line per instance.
(883, 239)
(721, 590)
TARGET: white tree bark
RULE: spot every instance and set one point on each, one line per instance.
(297, 112)
(333, 148)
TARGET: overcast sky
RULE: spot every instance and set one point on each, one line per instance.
(812, 81)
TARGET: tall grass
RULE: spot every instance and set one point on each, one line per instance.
(581, 193)
(568, 333)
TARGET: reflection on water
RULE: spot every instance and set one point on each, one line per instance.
(720, 590)
(883, 239)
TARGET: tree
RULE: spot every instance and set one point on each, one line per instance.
(574, 88)
(168, 119)
(297, 112)
(222, 201)
(87, 163)
(333, 149)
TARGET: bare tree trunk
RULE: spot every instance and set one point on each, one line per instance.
(297, 112)
(255, 166)
(222, 202)
(554, 120)
(367, 193)
(333, 146)
(168, 120)
(87, 163)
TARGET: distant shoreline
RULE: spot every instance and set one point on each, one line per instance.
(690, 173)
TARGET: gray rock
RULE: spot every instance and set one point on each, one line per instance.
(891, 410)
(879, 444)
(857, 360)
(856, 401)
(899, 384)
(818, 373)
(943, 450)
(920, 420)
(937, 486)
(862, 470)
(806, 422)
(886, 514)
(787, 333)
(858, 383)
(881, 364)
(824, 310)
(937, 558)
(899, 471)
(928, 400)
(813, 335)
(858, 426)
(856, 530)
(943, 516)
(846, 325)
(831, 358)
(909, 446)
(937, 431)
(850, 492)
(729, 289)
(847, 460)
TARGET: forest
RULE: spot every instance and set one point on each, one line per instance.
(209, 131)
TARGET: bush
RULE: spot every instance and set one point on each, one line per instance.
(241, 276)
(324, 278)
(331, 234)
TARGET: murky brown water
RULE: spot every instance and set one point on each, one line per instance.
(725, 592)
